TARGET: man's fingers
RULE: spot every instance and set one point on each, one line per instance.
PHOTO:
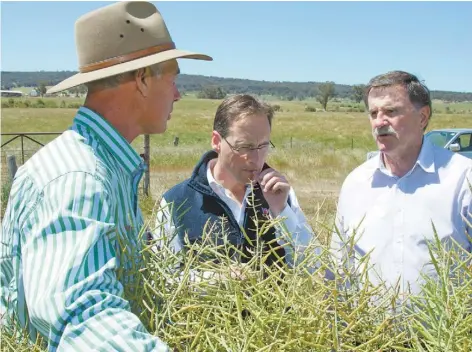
(266, 175)
(271, 183)
(280, 187)
(264, 172)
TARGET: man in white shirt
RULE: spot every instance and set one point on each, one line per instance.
(234, 183)
(388, 205)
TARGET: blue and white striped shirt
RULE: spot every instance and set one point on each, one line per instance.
(70, 207)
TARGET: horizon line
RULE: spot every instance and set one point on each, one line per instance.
(238, 78)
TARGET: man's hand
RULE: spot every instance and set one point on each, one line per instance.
(275, 189)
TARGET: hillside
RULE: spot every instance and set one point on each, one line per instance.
(284, 90)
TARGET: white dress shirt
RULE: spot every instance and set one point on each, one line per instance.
(392, 217)
(295, 228)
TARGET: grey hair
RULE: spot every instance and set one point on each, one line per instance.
(115, 81)
(417, 91)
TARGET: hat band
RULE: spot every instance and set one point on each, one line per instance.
(125, 58)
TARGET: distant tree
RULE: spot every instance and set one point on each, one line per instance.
(211, 92)
(276, 107)
(195, 83)
(358, 91)
(82, 89)
(326, 92)
(76, 91)
(42, 88)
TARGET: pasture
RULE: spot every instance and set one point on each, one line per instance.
(316, 151)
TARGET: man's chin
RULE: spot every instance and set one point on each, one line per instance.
(157, 130)
(385, 142)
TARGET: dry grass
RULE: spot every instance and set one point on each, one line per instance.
(315, 150)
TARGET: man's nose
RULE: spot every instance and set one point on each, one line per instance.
(380, 121)
(255, 156)
(177, 95)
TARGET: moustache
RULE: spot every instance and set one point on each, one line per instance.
(384, 131)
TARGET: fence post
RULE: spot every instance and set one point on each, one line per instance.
(11, 162)
(291, 140)
(147, 178)
(22, 151)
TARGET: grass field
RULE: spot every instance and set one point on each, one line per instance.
(316, 151)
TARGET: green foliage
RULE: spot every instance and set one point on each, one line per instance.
(326, 91)
(42, 88)
(6, 187)
(211, 92)
(215, 303)
(310, 108)
(73, 105)
(196, 83)
(40, 103)
(358, 92)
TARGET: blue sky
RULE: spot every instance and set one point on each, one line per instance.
(346, 42)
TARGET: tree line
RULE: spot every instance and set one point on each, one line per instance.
(221, 86)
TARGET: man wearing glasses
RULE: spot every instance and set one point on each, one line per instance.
(232, 186)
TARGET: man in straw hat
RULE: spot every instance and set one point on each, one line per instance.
(75, 200)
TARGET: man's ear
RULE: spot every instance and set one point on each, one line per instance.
(142, 84)
(425, 112)
(215, 141)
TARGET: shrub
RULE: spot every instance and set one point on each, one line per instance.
(6, 187)
(310, 108)
(50, 104)
(40, 104)
(249, 307)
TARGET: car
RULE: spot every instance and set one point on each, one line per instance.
(458, 140)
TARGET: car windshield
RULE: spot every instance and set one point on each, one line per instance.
(440, 138)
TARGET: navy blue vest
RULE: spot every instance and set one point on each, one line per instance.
(197, 209)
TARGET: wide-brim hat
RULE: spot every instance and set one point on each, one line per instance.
(119, 38)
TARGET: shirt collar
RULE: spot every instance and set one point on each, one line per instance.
(425, 159)
(211, 180)
(215, 185)
(111, 138)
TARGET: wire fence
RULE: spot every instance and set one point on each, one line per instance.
(21, 145)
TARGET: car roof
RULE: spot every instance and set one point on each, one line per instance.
(452, 130)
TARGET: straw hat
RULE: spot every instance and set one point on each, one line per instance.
(121, 37)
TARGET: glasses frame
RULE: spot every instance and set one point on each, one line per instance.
(238, 149)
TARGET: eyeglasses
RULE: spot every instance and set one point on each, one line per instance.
(244, 150)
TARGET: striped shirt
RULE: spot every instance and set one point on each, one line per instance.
(71, 207)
